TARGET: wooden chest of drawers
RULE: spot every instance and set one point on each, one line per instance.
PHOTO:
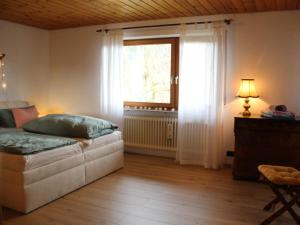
(264, 141)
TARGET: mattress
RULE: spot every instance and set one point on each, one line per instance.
(34, 175)
(94, 149)
(28, 162)
(91, 144)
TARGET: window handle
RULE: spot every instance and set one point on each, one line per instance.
(176, 80)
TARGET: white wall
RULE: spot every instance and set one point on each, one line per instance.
(26, 62)
(264, 46)
(74, 68)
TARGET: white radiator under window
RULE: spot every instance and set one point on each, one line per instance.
(151, 133)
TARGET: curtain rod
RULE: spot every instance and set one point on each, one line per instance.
(226, 21)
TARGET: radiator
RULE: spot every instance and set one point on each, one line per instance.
(157, 133)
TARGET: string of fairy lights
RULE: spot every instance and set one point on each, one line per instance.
(2, 72)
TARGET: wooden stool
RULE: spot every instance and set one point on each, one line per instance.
(282, 180)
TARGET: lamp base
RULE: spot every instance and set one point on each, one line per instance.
(246, 113)
(246, 106)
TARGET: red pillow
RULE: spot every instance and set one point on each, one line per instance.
(24, 115)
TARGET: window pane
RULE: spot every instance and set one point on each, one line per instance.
(147, 72)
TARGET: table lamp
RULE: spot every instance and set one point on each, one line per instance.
(247, 90)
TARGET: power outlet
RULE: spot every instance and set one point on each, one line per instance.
(230, 153)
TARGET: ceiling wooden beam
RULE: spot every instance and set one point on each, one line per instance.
(56, 14)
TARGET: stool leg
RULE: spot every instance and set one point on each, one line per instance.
(276, 215)
(271, 204)
(1, 215)
(293, 194)
(287, 205)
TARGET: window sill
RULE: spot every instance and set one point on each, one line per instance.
(150, 112)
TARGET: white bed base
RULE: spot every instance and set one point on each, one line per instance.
(25, 198)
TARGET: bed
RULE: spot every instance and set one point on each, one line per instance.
(30, 181)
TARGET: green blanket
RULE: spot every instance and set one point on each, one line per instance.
(70, 126)
(25, 143)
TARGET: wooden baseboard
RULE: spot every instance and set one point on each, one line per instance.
(154, 152)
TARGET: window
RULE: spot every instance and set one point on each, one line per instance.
(150, 73)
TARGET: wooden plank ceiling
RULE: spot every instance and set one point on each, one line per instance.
(56, 14)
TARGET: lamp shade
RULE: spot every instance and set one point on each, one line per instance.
(247, 89)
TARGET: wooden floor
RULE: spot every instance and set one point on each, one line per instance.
(157, 191)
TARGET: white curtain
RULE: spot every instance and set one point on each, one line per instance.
(201, 95)
(111, 102)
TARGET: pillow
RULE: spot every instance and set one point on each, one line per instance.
(7, 119)
(70, 126)
(24, 115)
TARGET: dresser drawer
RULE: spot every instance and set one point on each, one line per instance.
(264, 141)
(266, 125)
(267, 139)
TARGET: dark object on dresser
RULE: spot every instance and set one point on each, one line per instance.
(264, 141)
(281, 108)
